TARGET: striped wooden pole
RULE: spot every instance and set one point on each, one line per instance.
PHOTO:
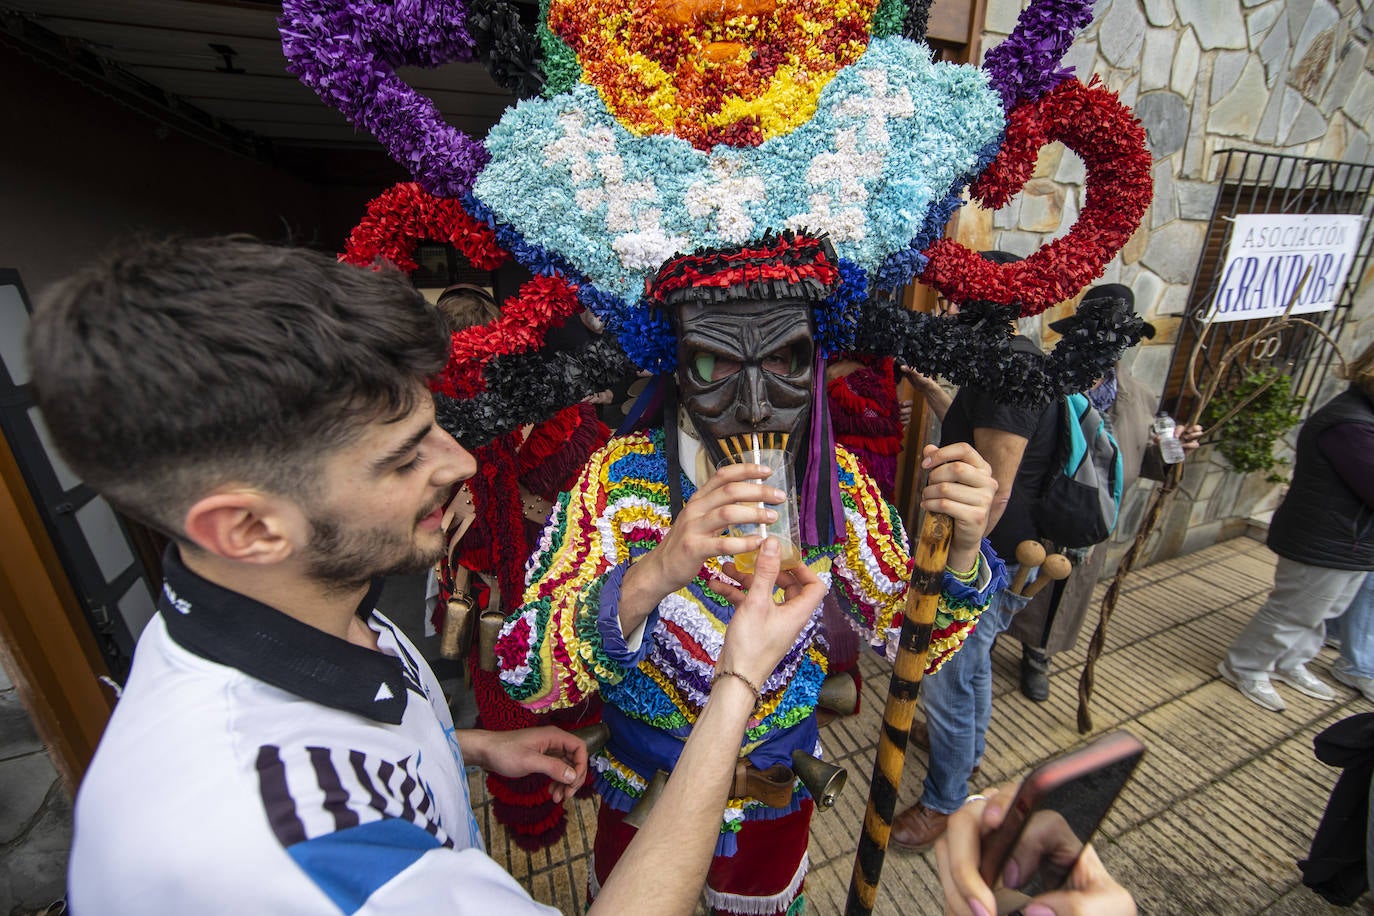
(922, 599)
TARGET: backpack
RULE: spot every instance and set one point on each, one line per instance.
(1080, 500)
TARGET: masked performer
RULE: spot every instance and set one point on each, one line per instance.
(716, 129)
(628, 595)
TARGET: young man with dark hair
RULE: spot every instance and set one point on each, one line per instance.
(280, 747)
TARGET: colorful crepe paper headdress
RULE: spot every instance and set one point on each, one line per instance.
(660, 133)
(787, 266)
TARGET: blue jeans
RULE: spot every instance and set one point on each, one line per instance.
(1355, 628)
(958, 703)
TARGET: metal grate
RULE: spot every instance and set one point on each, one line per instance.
(1253, 182)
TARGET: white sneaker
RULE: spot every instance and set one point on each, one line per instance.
(1364, 685)
(1304, 681)
(1256, 689)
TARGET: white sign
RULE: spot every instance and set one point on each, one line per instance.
(1270, 252)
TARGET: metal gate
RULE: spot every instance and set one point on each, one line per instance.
(1253, 182)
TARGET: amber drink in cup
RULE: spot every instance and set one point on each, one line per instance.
(786, 528)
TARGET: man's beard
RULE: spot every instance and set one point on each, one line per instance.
(347, 559)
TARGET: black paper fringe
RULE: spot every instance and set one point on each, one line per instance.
(531, 387)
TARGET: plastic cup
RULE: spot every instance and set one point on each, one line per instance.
(786, 528)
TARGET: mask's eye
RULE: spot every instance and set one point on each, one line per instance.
(709, 367)
(782, 362)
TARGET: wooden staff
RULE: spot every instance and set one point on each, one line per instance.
(922, 599)
(1158, 500)
(1055, 567)
(1030, 554)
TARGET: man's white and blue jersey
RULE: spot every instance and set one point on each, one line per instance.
(257, 765)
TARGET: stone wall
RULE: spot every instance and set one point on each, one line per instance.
(1287, 76)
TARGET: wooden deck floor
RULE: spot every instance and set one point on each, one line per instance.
(1225, 802)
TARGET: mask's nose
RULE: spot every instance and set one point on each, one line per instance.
(753, 408)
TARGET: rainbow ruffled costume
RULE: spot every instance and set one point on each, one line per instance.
(565, 642)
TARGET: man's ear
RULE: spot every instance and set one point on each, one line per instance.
(244, 525)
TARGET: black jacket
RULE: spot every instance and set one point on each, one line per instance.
(1336, 867)
(1322, 522)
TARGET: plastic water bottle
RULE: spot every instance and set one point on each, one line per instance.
(1169, 446)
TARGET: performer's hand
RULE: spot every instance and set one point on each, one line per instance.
(731, 497)
(762, 630)
(1088, 890)
(961, 486)
(557, 754)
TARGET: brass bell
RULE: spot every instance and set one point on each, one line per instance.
(453, 642)
(839, 694)
(640, 812)
(594, 736)
(823, 780)
(488, 628)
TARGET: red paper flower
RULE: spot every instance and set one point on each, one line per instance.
(1092, 122)
(404, 215)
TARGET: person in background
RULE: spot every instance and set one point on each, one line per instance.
(1050, 623)
(280, 746)
(866, 414)
(465, 305)
(1019, 444)
(1323, 533)
(523, 473)
(1355, 631)
(870, 421)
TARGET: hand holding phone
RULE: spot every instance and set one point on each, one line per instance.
(1030, 840)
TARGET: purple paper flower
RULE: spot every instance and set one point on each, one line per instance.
(347, 51)
(1026, 65)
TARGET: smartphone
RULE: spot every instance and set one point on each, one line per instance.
(1056, 811)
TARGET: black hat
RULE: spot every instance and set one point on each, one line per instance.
(1000, 257)
(1106, 297)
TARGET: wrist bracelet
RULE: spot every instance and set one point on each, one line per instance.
(968, 578)
(726, 672)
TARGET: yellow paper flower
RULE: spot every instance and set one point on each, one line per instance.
(736, 72)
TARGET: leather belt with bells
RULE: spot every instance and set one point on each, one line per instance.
(772, 786)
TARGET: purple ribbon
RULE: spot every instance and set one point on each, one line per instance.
(822, 512)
